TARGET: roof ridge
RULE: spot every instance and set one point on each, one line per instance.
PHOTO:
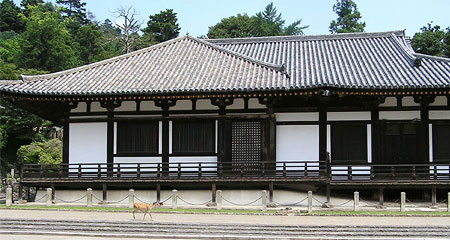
(306, 37)
(276, 67)
(413, 55)
(403, 48)
(32, 78)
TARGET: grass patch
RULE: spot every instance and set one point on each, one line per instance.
(120, 209)
(331, 212)
(228, 211)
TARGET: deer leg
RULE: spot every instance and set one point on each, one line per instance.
(144, 215)
(150, 215)
(133, 214)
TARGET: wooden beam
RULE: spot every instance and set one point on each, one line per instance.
(380, 197)
(433, 196)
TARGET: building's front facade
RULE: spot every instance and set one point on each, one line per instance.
(347, 110)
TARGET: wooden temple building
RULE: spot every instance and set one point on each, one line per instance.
(355, 111)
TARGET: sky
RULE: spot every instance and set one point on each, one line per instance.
(195, 16)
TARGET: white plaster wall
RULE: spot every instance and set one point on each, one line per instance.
(95, 107)
(149, 106)
(253, 103)
(87, 143)
(126, 106)
(399, 115)
(182, 105)
(287, 117)
(348, 116)
(436, 115)
(439, 101)
(205, 104)
(389, 102)
(409, 102)
(190, 164)
(82, 107)
(296, 143)
(238, 103)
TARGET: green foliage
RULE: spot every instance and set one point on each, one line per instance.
(9, 17)
(266, 23)
(9, 46)
(48, 152)
(90, 40)
(46, 42)
(74, 9)
(348, 18)
(9, 71)
(431, 40)
(240, 25)
(163, 26)
(3, 137)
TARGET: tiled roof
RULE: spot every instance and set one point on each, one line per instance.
(356, 60)
(184, 64)
(352, 61)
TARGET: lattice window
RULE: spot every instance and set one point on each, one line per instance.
(246, 145)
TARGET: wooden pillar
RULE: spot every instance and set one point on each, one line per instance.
(328, 190)
(53, 191)
(66, 148)
(375, 125)
(165, 104)
(380, 197)
(110, 145)
(213, 193)
(270, 192)
(433, 196)
(424, 121)
(110, 106)
(322, 131)
(105, 192)
(158, 192)
(165, 147)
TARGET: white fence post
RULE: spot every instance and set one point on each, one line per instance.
(49, 197)
(356, 201)
(131, 198)
(8, 197)
(310, 201)
(89, 197)
(219, 199)
(402, 201)
(174, 199)
(264, 200)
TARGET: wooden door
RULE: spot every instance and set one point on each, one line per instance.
(400, 143)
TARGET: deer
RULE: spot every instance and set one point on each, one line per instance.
(146, 208)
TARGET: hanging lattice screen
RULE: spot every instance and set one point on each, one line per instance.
(246, 146)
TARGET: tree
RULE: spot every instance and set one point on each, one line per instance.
(9, 46)
(9, 17)
(25, 3)
(129, 27)
(237, 26)
(447, 43)
(74, 9)
(430, 40)
(90, 40)
(46, 42)
(266, 23)
(163, 26)
(348, 18)
(112, 36)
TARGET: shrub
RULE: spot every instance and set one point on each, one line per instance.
(47, 152)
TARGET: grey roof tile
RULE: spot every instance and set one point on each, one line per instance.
(354, 61)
